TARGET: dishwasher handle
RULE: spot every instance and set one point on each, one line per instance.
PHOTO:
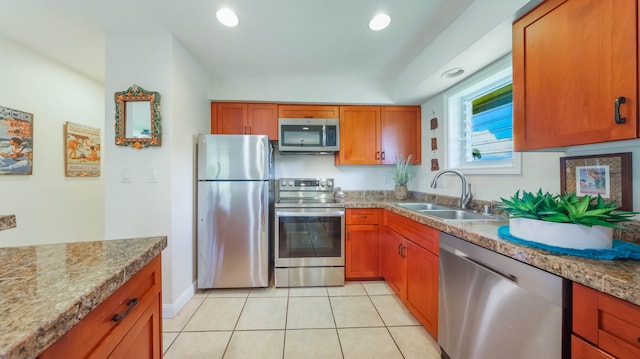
(466, 257)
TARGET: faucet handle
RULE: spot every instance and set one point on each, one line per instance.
(466, 198)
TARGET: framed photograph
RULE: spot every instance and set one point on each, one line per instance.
(607, 175)
(82, 150)
(16, 142)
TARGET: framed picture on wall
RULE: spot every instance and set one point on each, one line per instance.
(82, 150)
(16, 142)
(607, 175)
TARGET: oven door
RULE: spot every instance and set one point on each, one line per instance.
(309, 237)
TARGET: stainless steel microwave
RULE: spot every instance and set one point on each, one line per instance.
(308, 135)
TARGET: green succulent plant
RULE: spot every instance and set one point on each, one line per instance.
(568, 208)
(402, 173)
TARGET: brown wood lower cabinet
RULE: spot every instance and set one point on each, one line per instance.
(409, 264)
(603, 325)
(361, 247)
(138, 334)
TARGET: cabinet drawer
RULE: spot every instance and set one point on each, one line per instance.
(420, 234)
(609, 322)
(362, 216)
(98, 333)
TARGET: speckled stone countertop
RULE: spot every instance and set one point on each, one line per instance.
(47, 289)
(620, 278)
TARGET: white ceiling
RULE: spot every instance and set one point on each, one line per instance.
(283, 39)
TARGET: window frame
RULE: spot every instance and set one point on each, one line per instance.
(455, 153)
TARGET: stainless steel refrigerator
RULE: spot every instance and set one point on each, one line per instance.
(234, 201)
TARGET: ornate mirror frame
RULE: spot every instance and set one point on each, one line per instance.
(124, 121)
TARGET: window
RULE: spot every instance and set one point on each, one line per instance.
(479, 112)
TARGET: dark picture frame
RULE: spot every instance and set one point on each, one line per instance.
(607, 174)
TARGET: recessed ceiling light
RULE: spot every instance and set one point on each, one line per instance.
(449, 74)
(227, 17)
(379, 22)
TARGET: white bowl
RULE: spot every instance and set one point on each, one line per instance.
(566, 235)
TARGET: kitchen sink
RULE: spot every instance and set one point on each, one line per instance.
(447, 213)
(458, 214)
(422, 206)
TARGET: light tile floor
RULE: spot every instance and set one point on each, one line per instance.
(360, 320)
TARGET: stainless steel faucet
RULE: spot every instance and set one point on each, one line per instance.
(465, 195)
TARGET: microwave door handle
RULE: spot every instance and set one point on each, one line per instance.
(324, 135)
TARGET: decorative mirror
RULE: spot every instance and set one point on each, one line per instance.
(137, 118)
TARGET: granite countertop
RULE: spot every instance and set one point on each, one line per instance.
(620, 278)
(47, 289)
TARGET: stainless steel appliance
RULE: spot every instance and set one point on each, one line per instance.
(494, 307)
(308, 135)
(309, 233)
(234, 196)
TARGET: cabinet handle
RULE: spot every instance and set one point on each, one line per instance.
(404, 249)
(362, 217)
(249, 131)
(400, 249)
(130, 305)
(383, 155)
(244, 130)
(377, 155)
(619, 100)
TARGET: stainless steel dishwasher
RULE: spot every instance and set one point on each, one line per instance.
(491, 306)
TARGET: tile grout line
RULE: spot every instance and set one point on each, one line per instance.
(335, 324)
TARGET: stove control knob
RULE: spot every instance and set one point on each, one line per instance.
(329, 183)
(290, 183)
(323, 183)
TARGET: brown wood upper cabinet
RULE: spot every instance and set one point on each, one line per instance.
(379, 134)
(308, 111)
(245, 119)
(573, 63)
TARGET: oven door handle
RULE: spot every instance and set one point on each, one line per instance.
(316, 212)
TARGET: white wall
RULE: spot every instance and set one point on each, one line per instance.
(50, 207)
(539, 169)
(346, 177)
(165, 207)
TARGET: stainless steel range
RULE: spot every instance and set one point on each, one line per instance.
(309, 233)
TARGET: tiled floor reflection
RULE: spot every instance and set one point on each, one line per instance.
(360, 320)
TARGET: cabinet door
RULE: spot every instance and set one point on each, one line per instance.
(583, 350)
(231, 118)
(308, 111)
(361, 251)
(395, 267)
(400, 133)
(262, 119)
(359, 135)
(571, 60)
(422, 286)
(144, 338)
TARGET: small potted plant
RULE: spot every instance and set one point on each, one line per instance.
(402, 176)
(564, 220)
